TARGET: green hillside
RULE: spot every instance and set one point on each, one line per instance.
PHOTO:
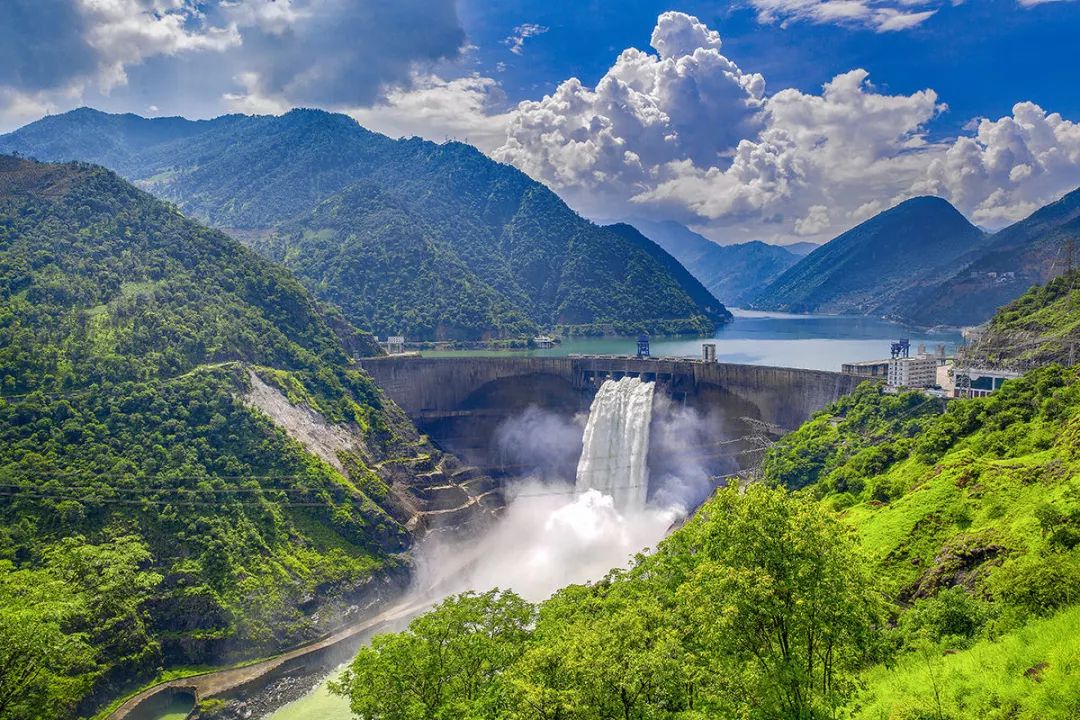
(501, 254)
(901, 560)
(1030, 252)
(1039, 327)
(150, 515)
(400, 278)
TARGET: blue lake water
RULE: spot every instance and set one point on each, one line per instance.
(819, 342)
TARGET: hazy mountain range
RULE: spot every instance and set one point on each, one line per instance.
(733, 273)
(923, 263)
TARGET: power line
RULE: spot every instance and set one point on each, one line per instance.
(165, 476)
(148, 489)
(80, 492)
(292, 504)
(144, 501)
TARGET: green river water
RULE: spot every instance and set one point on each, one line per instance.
(318, 704)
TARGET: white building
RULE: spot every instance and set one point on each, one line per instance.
(913, 372)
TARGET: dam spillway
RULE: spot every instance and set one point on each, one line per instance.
(615, 444)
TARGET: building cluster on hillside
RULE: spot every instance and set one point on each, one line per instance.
(998, 277)
(935, 373)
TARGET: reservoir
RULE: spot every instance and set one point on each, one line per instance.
(814, 342)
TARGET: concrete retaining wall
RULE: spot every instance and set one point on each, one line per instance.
(428, 388)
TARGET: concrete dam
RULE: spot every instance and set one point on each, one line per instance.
(461, 402)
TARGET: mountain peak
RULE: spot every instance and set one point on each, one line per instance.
(867, 269)
(924, 205)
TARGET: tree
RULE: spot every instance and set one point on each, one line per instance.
(445, 666)
(775, 608)
(607, 651)
(42, 667)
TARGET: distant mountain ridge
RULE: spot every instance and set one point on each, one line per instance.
(506, 255)
(873, 267)
(801, 248)
(732, 273)
(1029, 252)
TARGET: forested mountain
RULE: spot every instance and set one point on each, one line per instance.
(732, 273)
(1027, 253)
(901, 558)
(876, 265)
(157, 505)
(694, 287)
(506, 254)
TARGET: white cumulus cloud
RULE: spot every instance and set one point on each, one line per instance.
(685, 133)
(1010, 167)
(687, 103)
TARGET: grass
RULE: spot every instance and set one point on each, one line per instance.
(1032, 673)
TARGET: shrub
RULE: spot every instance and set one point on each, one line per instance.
(1039, 584)
(952, 617)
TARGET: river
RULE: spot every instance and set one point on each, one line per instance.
(319, 704)
(815, 342)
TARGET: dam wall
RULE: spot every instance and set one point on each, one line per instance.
(429, 388)
(460, 402)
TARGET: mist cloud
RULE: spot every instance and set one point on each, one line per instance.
(540, 443)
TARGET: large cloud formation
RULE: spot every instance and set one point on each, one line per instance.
(328, 52)
(686, 133)
(688, 103)
(1010, 167)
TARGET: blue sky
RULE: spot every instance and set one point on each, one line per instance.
(780, 120)
(982, 56)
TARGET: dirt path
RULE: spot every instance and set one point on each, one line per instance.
(216, 683)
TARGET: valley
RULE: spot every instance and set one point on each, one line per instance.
(271, 491)
(458, 360)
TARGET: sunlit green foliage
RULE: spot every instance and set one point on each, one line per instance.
(446, 666)
(165, 521)
(942, 589)
(758, 608)
(1040, 326)
(970, 515)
